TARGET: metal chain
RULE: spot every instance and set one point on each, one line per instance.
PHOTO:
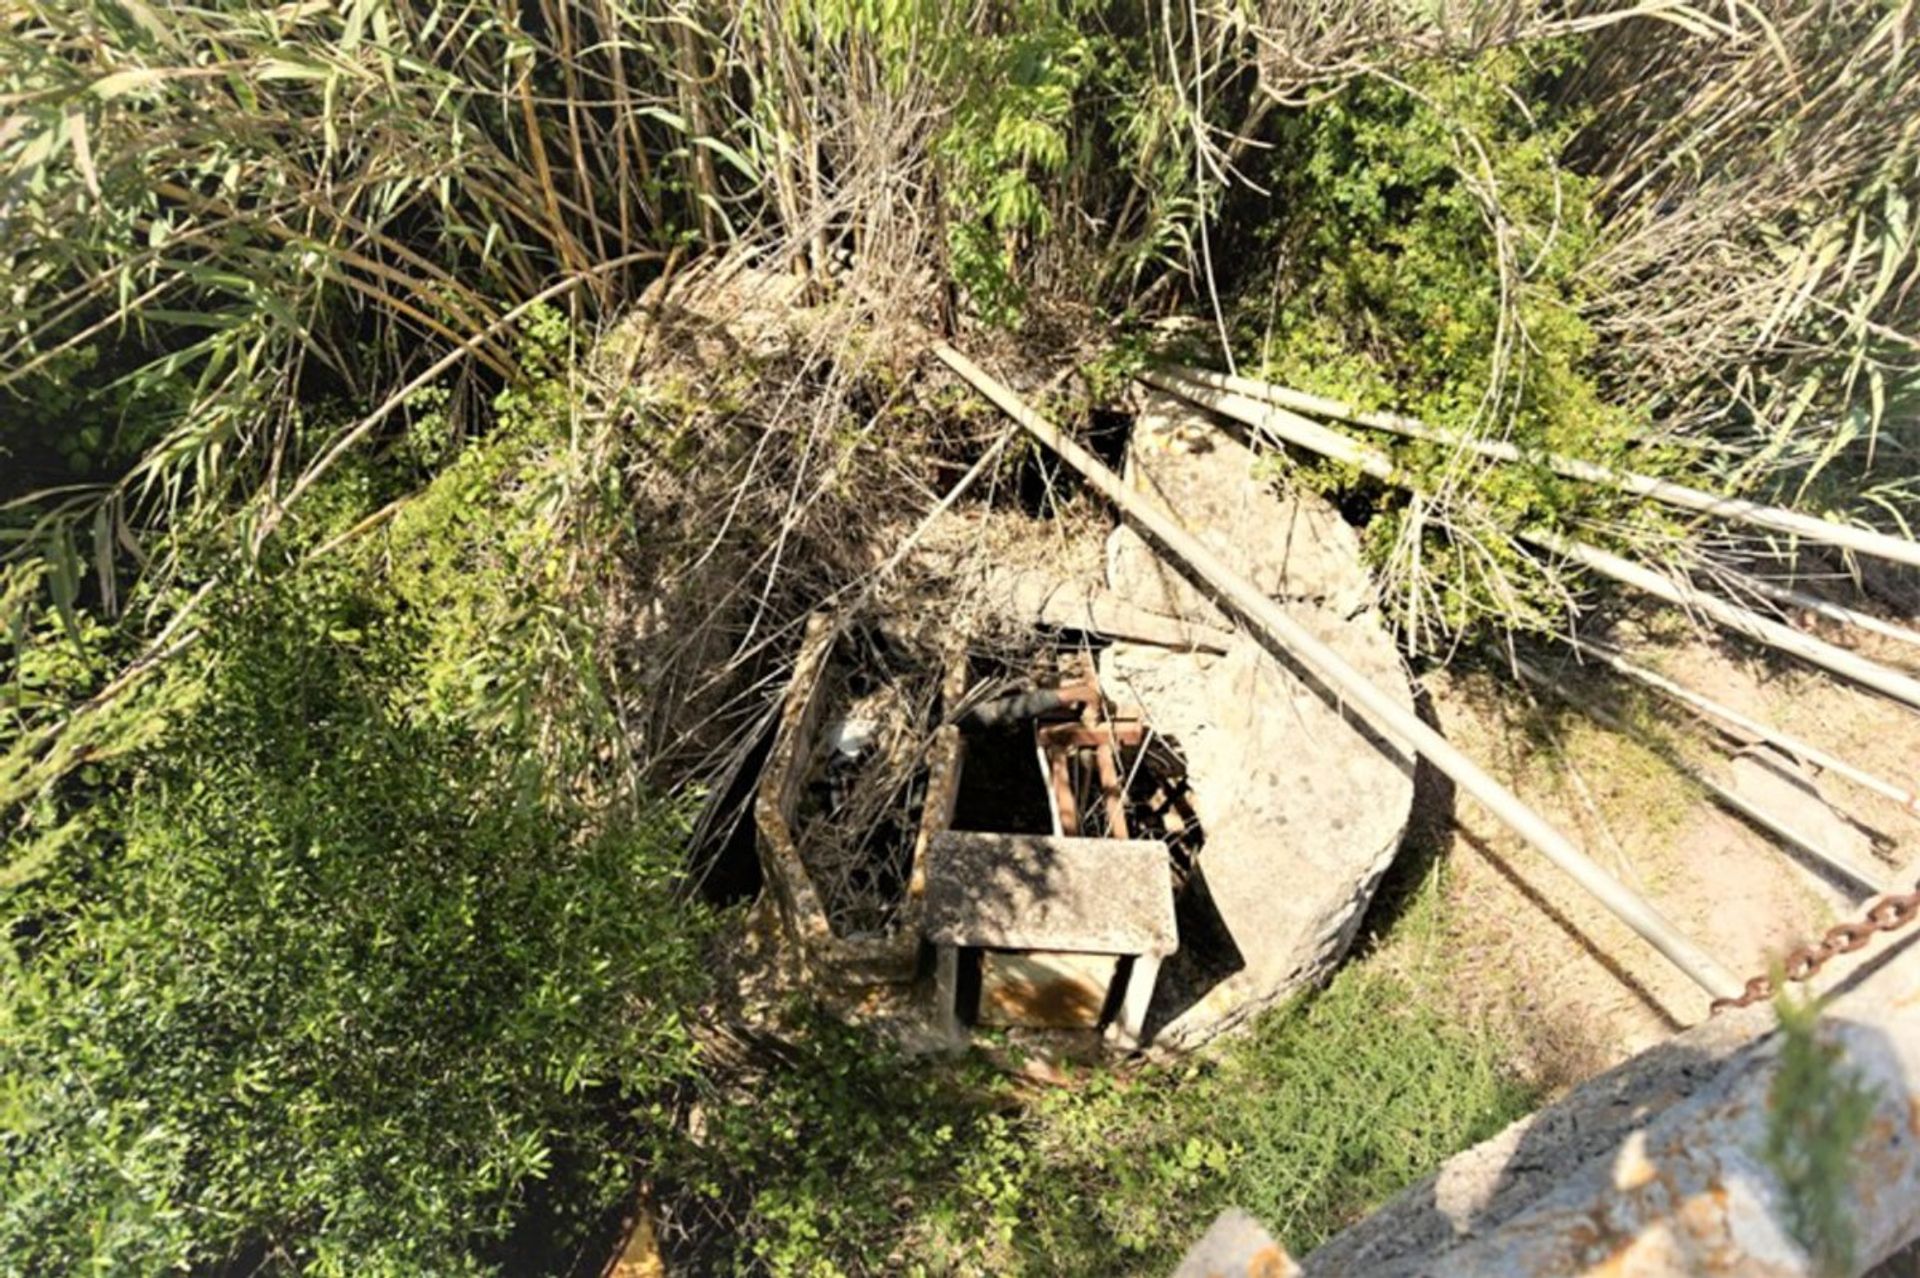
(1885, 915)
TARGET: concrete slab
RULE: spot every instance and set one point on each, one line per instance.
(1293, 547)
(1040, 892)
(1303, 810)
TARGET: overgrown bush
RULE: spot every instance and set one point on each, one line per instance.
(370, 938)
(845, 1159)
(1429, 253)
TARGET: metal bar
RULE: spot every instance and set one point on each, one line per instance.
(1826, 608)
(1110, 788)
(1062, 778)
(1381, 710)
(1791, 744)
(1873, 878)
(1865, 541)
(1278, 423)
(1869, 674)
(1078, 734)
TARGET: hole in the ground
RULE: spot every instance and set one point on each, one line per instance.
(1107, 433)
(1001, 789)
(1042, 480)
(1206, 957)
(726, 860)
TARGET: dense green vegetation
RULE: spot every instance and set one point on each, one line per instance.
(367, 662)
(1402, 280)
(364, 937)
(845, 1159)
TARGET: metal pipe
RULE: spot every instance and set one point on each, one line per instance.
(1825, 608)
(1279, 423)
(1793, 745)
(1865, 541)
(1379, 709)
(1873, 878)
(1870, 674)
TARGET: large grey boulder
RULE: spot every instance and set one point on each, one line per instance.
(1293, 547)
(1303, 809)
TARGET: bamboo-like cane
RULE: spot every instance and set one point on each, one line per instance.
(1379, 709)
(1278, 423)
(1867, 542)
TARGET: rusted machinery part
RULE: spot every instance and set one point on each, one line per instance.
(1888, 914)
(1017, 708)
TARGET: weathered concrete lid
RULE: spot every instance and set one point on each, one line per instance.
(1038, 892)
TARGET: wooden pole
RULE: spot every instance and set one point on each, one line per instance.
(1278, 423)
(1865, 541)
(1382, 711)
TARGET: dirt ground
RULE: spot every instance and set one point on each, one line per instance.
(1571, 986)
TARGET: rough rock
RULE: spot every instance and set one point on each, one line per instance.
(1294, 546)
(1303, 809)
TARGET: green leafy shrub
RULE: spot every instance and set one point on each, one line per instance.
(848, 1158)
(1818, 1112)
(372, 938)
(1008, 133)
(1431, 255)
(844, 1158)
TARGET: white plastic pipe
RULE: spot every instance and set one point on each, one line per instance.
(1379, 709)
(1278, 423)
(1865, 541)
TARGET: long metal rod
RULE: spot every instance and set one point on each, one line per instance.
(1872, 877)
(1278, 423)
(1793, 745)
(1825, 608)
(1865, 541)
(1870, 674)
(1379, 709)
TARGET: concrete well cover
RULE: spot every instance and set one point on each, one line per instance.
(1303, 810)
(1039, 892)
